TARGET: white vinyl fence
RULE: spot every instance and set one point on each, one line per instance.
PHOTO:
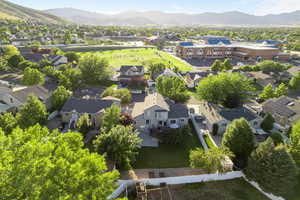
(123, 184)
(176, 180)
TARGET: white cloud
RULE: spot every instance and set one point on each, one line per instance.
(177, 7)
(276, 6)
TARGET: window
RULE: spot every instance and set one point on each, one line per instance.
(147, 121)
(173, 121)
(224, 124)
(182, 120)
(11, 100)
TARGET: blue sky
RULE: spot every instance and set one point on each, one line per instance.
(258, 7)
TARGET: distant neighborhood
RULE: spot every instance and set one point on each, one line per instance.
(142, 113)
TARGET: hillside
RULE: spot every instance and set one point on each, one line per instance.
(135, 18)
(10, 10)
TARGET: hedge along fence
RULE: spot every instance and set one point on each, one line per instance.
(123, 184)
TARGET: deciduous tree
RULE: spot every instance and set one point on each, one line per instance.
(228, 89)
(84, 124)
(211, 161)
(33, 77)
(120, 144)
(173, 88)
(33, 112)
(7, 122)
(94, 69)
(37, 164)
(111, 117)
(59, 97)
(267, 92)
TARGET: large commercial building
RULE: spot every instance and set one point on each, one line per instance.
(221, 47)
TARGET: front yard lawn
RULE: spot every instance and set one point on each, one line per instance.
(167, 155)
(235, 189)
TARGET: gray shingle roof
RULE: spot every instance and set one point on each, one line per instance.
(126, 68)
(86, 105)
(236, 113)
(279, 106)
(39, 91)
(178, 110)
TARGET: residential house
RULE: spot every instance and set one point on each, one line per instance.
(75, 107)
(221, 116)
(193, 78)
(57, 60)
(132, 75)
(17, 98)
(156, 112)
(20, 42)
(285, 110)
(167, 72)
(261, 78)
(33, 57)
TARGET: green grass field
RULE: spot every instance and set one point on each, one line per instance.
(143, 57)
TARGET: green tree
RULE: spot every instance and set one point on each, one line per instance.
(121, 145)
(111, 117)
(7, 122)
(227, 64)
(228, 89)
(59, 97)
(3, 64)
(10, 51)
(217, 66)
(67, 38)
(294, 145)
(155, 68)
(124, 94)
(211, 161)
(24, 64)
(94, 69)
(70, 79)
(44, 63)
(272, 168)
(33, 77)
(173, 88)
(281, 90)
(14, 61)
(295, 82)
(72, 56)
(38, 164)
(267, 92)
(267, 123)
(84, 124)
(271, 66)
(33, 112)
(110, 91)
(240, 140)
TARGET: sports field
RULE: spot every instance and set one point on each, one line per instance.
(143, 57)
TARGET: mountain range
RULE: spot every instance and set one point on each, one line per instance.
(10, 10)
(136, 18)
(13, 11)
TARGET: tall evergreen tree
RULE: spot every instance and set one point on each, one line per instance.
(273, 168)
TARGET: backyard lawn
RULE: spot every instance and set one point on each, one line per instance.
(167, 155)
(235, 189)
(118, 58)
